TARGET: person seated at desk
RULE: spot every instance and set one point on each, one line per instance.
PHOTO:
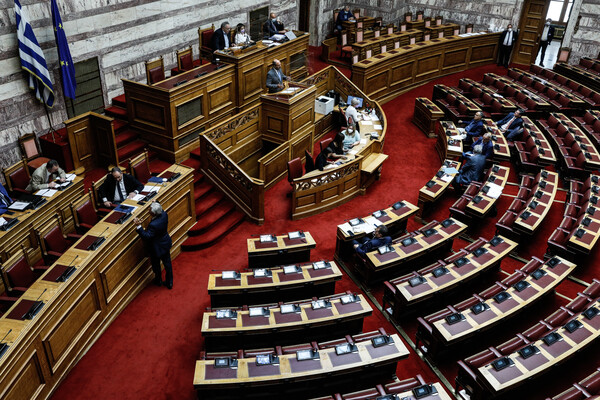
(118, 187)
(334, 151)
(5, 200)
(241, 37)
(473, 129)
(511, 126)
(472, 170)
(275, 77)
(273, 26)
(379, 239)
(351, 111)
(351, 137)
(344, 15)
(45, 175)
(487, 146)
(220, 38)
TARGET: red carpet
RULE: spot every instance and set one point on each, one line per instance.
(150, 349)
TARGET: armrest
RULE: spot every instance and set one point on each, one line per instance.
(389, 287)
(73, 236)
(17, 291)
(41, 269)
(54, 254)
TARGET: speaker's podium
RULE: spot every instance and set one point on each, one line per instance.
(288, 114)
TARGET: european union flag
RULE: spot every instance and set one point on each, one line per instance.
(67, 69)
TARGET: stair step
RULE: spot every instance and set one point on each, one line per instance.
(202, 189)
(119, 101)
(209, 220)
(119, 125)
(116, 112)
(195, 154)
(193, 163)
(131, 149)
(198, 177)
(215, 234)
(125, 137)
(207, 202)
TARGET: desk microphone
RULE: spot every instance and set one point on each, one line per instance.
(67, 272)
(4, 346)
(35, 307)
(175, 175)
(99, 240)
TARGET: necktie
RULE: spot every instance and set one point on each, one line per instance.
(120, 192)
(4, 199)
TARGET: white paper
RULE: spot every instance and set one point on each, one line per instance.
(367, 123)
(495, 190)
(70, 177)
(18, 205)
(374, 118)
(2, 221)
(46, 192)
(363, 141)
(447, 178)
(151, 188)
(458, 137)
(378, 127)
(138, 197)
(454, 148)
(345, 227)
(353, 152)
(67, 183)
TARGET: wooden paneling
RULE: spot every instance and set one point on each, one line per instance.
(28, 382)
(531, 24)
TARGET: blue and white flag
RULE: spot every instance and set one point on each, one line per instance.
(67, 69)
(32, 59)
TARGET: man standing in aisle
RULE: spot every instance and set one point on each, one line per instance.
(546, 39)
(158, 243)
(507, 40)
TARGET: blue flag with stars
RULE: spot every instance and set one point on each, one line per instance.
(67, 69)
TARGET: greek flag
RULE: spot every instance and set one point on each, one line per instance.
(32, 59)
(67, 69)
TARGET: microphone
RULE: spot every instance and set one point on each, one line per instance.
(175, 175)
(4, 346)
(35, 307)
(68, 271)
(99, 240)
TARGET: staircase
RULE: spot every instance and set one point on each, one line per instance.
(127, 139)
(216, 215)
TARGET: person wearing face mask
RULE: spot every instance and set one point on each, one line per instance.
(241, 37)
(351, 137)
(273, 26)
(275, 77)
(546, 39)
(507, 40)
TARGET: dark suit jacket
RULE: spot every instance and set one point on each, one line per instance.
(550, 34)
(514, 37)
(271, 28)
(472, 170)
(107, 189)
(474, 128)
(344, 16)
(517, 123)
(273, 80)
(217, 40)
(156, 236)
(488, 148)
(372, 244)
(3, 206)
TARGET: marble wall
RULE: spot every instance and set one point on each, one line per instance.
(123, 34)
(586, 40)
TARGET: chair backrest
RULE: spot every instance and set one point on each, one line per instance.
(530, 104)
(84, 210)
(324, 143)
(586, 62)
(309, 164)
(53, 240)
(359, 34)
(580, 160)
(17, 176)
(563, 54)
(469, 28)
(17, 271)
(155, 71)
(185, 60)
(335, 14)
(204, 36)
(294, 169)
(29, 146)
(408, 16)
(356, 13)
(139, 167)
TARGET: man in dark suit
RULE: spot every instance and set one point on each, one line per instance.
(344, 15)
(472, 170)
(473, 129)
(117, 187)
(273, 26)
(546, 39)
(511, 126)
(487, 145)
(220, 38)
(158, 243)
(5, 200)
(379, 239)
(275, 77)
(507, 40)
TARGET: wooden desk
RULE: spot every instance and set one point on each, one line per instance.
(76, 312)
(545, 151)
(538, 207)
(394, 220)
(436, 187)
(497, 175)
(378, 266)
(310, 324)
(444, 30)
(377, 45)
(282, 251)
(249, 289)
(385, 76)
(471, 267)
(426, 115)
(440, 394)
(446, 147)
(297, 379)
(21, 233)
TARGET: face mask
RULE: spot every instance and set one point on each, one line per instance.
(510, 29)
(243, 31)
(274, 20)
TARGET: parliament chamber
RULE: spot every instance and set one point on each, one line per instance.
(301, 269)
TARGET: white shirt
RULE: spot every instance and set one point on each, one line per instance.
(508, 39)
(226, 40)
(119, 186)
(545, 33)
(241, 38)
(351, 112)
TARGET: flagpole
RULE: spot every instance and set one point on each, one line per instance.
(51, 129)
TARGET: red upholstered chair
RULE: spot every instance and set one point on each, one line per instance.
(346, 48)
(309, 164)
(52, 240)
(294, 168)
(557, 243)
(155, 71)
(139, 167)
(185, 61)
(6, 303)
(31, 151)
(17, 177)
(85, 212)
(18, 274)
(324, 143)
(204, 36)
